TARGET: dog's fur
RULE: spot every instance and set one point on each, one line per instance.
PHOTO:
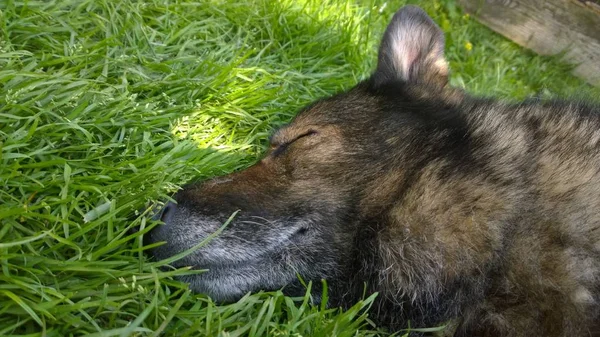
(451, 207)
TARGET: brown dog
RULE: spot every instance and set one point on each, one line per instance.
(451, 207)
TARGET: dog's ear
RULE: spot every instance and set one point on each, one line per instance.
(412, 50)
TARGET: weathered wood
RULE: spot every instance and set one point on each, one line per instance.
(548, 27)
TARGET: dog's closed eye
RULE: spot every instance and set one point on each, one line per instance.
(280, 148)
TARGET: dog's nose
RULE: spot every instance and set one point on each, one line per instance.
(166, 213)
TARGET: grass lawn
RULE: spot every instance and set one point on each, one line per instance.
(107, 106)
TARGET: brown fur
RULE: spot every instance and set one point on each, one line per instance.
(451, 207)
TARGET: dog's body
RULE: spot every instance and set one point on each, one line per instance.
(451, 207)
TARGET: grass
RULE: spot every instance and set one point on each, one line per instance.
(108, 106)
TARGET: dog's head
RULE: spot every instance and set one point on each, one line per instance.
(328, 176)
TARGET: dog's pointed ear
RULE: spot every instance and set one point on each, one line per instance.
(412, 50)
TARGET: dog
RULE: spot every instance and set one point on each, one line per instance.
(451, 207)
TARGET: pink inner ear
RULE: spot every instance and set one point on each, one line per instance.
(404, 54)
(408, 62)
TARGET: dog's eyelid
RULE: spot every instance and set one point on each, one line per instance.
(305, 134)
(277, 141)
(309, 133)
(279, 148)
(302, 135)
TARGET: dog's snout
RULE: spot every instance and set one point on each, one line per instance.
(166, 213)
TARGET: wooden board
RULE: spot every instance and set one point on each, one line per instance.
(548, 27)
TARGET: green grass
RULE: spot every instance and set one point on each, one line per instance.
(108, 106)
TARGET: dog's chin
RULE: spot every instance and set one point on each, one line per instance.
(227, 290)
(229, 283)
(220, 292)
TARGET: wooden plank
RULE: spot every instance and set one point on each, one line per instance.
(548, 27)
